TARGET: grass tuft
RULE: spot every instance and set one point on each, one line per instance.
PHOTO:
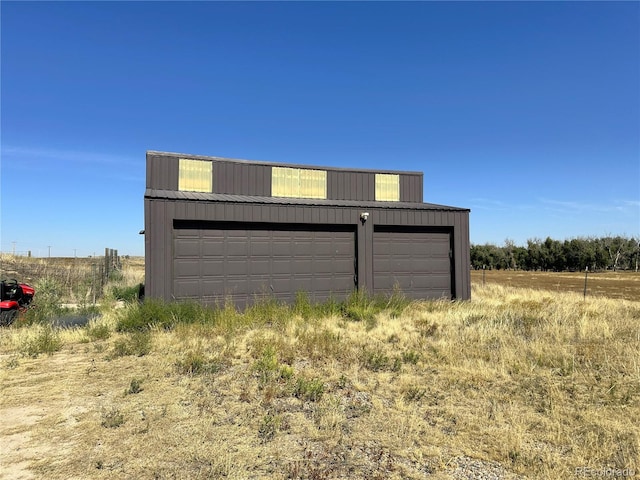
(46, 340)
(136, 343)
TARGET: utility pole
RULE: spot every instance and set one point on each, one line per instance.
(13, 251)
(49, 247)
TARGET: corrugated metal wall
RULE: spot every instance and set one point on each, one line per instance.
(160, 214)
(254, 178)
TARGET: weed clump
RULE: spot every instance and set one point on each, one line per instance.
(135, 344)
(196, 363)
(309, 389)
(112, 418)
(134, 387)
(99, 332)
(46, 340)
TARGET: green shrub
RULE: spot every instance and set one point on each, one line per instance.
(310, 390)
(303, 306)
(46, 341)
(268, 311)
(112, 419)
(136, 343)
(410, 356)
(47, 303)
(377, 361)
(269, 425)
(286, 372)
(195, 363)
(98, 331)
(126, 293)
(360, 308)
(134, 387)
(267, 365)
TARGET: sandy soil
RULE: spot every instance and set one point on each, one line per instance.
(30, 428)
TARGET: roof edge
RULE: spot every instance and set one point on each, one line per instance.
(221, 197)
(280, 164)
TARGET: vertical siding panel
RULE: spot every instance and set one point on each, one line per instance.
(331, 185)
(215, 171)
(323, 214)
(228, 212)
(344, 186)
(372, 187)
(162, 172)
(465, 273)
(150, 171)
(229, 178)
(224, 178)
(167, 276)
(405, 193)
(246, 173)
(218, 211)
(267, 181)
(255, 178)
(237, 177)
(345, 194)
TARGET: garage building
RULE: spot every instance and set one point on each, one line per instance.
(219, 229)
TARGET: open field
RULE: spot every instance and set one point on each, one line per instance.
(518, 383)
(619, 284)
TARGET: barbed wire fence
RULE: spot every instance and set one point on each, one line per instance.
(80, 280)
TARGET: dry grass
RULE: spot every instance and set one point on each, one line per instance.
(540, 382)
(73, 280)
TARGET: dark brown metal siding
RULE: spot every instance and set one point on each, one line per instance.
(162, 172)
(254, 179)
(414, 259)
(161, 213)
(411, 188)
(215, 262)
(343, 185)
(241, 178)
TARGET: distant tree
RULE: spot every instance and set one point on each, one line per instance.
(520, 257)
(574, 254)
(534, 254)
(614, 246)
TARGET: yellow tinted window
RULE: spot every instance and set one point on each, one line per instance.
(195, 176)
(387, 187)
(298, 183)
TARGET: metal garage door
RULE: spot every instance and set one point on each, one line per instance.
(417, 261)
(213, 262)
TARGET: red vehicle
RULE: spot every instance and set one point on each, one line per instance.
(14, 297)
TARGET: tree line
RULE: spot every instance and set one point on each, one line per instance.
(606, 253)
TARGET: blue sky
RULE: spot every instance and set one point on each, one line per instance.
(526, 113)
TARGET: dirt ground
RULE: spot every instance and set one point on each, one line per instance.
(30, 428)
(624, 285)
